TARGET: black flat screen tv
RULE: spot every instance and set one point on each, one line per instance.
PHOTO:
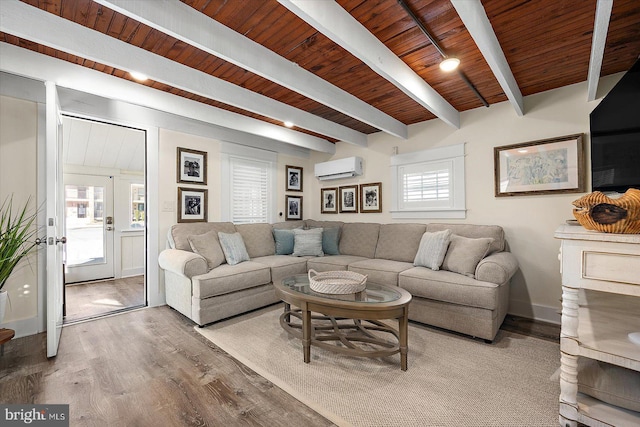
(615, 162)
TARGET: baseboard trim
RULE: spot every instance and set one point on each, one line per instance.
(535, 311)
(24, 327)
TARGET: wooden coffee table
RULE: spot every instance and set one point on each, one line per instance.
(347, 324)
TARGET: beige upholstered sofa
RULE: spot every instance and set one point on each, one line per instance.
(474, 303)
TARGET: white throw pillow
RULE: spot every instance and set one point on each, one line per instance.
(307, 242)
(233, 247)
(433, 248)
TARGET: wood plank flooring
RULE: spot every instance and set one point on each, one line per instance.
(97, 298)
(149, 367)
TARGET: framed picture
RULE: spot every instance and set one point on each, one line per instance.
(192, 205)
(192, 166)
(371, 197)
(548, 166)
(349, 199)
(329, 200)
(294, 178)
(294, 208)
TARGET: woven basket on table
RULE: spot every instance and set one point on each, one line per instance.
(337, 282)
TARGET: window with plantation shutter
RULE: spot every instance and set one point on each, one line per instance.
(248, 192)
(429, 183)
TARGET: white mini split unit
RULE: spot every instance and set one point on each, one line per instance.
(341, 168)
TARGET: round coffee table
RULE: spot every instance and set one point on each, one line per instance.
(347, 324)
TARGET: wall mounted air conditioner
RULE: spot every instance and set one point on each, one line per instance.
(341, 168)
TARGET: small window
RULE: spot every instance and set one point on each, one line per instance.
(137, 206)
(429, 183)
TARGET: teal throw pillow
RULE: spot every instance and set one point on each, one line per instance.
(432, 249)
(331, 240)
(233, 247)
(284, 241)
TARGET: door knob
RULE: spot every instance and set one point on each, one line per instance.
(109, 228)
(62, 240)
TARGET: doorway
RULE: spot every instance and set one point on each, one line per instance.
(104, 218)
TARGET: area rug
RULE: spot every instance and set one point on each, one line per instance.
(452, 380)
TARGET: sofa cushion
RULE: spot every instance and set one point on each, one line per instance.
(449, 287)
(179, 233)
(399, 242)
(381, 271)
(464, 254)
(332, 262)
(258, 238)
(233, 247)
(359, 239)
(474, 231)
(307, 242)
(283, 266)
(284, 241)
(433, 248)
(209, 247)
(230, 278)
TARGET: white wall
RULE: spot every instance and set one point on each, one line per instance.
(18, 165)
(529, 221)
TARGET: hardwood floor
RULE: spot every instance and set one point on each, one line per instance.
(149, 367)
(143, 368)
(93, 299)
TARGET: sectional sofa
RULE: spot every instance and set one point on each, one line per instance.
(468, 294)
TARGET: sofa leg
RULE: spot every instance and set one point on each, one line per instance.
(488, 341)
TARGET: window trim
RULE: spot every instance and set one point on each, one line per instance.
(454, 154)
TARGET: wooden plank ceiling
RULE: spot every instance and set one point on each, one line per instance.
(546, 43)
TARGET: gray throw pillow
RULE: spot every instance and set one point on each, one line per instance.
(308, 242)
(464, 254)
(610, 383)
(207, 246)
(233, 247)
(432, 249)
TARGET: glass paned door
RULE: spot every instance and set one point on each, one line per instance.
(89, 227)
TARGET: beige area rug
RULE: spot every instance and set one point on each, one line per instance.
(452, 380)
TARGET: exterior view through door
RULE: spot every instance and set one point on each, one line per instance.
(104, 218)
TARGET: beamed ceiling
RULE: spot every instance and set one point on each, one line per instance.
(338, 70)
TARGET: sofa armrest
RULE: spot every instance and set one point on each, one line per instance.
(497, 268)
(181, 262)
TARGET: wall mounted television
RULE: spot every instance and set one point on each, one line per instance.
(615, 162)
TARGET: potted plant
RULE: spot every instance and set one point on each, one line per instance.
(16, 241)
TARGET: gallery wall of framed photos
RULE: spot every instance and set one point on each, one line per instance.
(191, 168)
(363, 198)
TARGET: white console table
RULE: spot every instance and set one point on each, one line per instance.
(600, 308)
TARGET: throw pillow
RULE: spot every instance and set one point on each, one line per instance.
(208, 246)
(308, 242)
(464, 254)
(610, 383)
(233, 247)
(284, 241)
(331, 240)
(432, 249)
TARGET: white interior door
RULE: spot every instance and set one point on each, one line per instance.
(54, 207)
(89, 227)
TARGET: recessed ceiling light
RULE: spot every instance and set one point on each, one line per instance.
(139, 76)
(288, 124)
(449, 64)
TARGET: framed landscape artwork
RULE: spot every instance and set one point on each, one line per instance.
(293, 208)
(329, 200)
(371, 197)
(294, 178)
(548, 166)
(349, 199)
(192, 205)
(192, 166)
